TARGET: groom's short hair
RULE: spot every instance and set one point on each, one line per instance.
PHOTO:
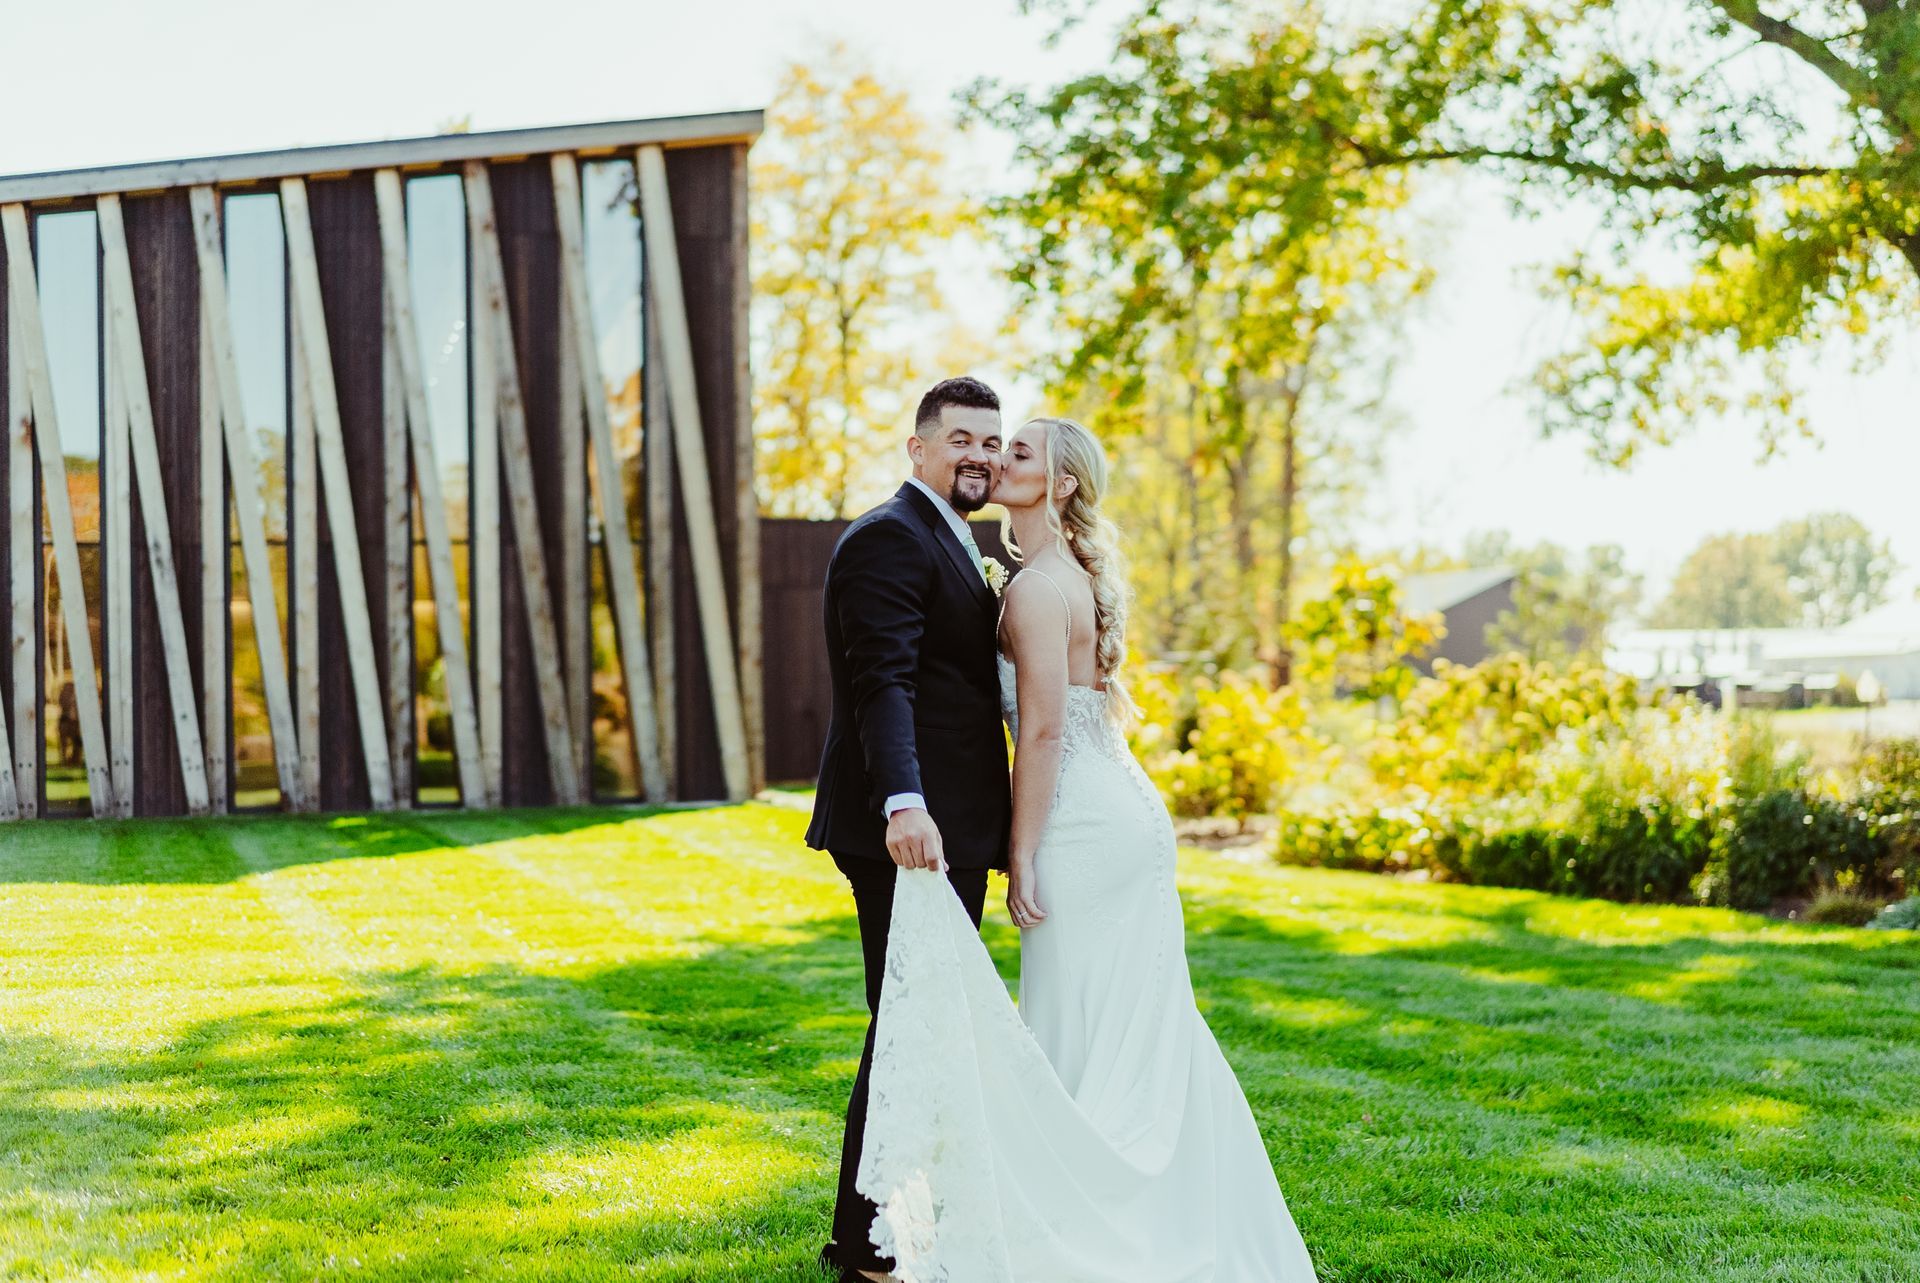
(965, 391)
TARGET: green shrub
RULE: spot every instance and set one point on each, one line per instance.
(1843, 908)
(1887, 796)
(1901, 915)
(1221, 746)
(1563, 779)
(1357, 837)
(1664, 802)
(1475, 731)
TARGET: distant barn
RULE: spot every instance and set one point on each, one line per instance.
(1467, 601)
(382, 475)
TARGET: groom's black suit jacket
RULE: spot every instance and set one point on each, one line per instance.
(916, 689)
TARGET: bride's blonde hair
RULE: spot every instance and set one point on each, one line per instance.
(1094, 541)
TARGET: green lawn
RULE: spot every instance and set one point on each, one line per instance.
(581, 1045)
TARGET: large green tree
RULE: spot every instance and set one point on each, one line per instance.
(1814, 572)
(1220, 300)
(1729, 581)
(1835, 566)
(1758, 168)
(851, 196)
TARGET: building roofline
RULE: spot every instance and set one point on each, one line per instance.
(428, 152)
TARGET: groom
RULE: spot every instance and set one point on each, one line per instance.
(914, 772)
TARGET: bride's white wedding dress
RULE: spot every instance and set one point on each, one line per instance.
(1096, 1135)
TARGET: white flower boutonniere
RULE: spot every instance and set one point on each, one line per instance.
(996, 574)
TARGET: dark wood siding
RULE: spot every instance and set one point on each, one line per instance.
(166, 291)
(346, 231)
(530, 250)
(704, 186)
(793, 572)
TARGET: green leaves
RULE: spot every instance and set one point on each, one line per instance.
(1817, 572)
(850, 194)
(1759, 175)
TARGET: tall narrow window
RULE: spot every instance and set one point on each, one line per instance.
(437, 265)
(68, 265)
(612, 224)
(257, 289)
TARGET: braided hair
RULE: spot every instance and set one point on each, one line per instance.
(1094, 542)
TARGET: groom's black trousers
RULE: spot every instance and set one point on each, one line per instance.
(872, 881)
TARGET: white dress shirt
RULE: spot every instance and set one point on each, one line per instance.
(900, 801)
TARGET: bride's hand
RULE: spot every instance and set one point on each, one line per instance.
(1026, 910)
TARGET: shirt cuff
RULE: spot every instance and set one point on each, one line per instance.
(900, 801)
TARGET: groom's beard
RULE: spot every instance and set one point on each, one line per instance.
(958, 494)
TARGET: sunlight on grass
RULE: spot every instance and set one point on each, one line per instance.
(596, 1044)
(1712, 969)
(1749, 1113)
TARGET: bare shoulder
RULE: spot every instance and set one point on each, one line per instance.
(1029, 592)
(1029, 605)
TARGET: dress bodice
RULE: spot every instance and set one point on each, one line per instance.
(1088, 725)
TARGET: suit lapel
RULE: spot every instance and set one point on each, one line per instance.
(951, 545)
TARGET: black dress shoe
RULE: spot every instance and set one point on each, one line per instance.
(837, 1272)
(846, 1273)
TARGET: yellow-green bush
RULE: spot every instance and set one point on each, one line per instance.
(1221, 746)
(1477, 730)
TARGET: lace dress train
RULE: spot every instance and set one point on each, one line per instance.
(1097, 1134)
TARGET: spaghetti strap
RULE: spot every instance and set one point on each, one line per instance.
(1035, 570)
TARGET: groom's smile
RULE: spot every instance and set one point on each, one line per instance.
(971, 484)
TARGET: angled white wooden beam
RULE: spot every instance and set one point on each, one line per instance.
(314, 359)
(403, 349)
(397, 527)
(23, 554)
(216, 572)
(616, 542)
(11, 806)
(23, 313)
(116, 556)
(130, 369)
(244, 471)
(747, 552)
(696, 487)
(575, 603)
(10, 799)
(483, 529)
(656, 473)
(303, 571)
(517, 465)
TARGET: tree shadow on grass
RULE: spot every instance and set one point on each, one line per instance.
(175, 851)
(1760, 1088)
(1511, 1103)
(668, 1120)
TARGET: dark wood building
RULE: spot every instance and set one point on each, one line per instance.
(799, 689)
(381, 475)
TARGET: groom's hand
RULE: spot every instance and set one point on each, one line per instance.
(913, 840)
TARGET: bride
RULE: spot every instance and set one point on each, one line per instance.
(1097, 1134)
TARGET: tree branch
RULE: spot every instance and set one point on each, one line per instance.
(1706, 178)
(1853, 82)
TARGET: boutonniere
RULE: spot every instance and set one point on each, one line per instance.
(996, 574)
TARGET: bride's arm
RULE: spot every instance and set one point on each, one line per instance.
(1036, 639)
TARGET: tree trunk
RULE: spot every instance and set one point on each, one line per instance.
(1240, 518)
(1289, 493)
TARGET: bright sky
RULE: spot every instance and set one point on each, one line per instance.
(122, 80)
